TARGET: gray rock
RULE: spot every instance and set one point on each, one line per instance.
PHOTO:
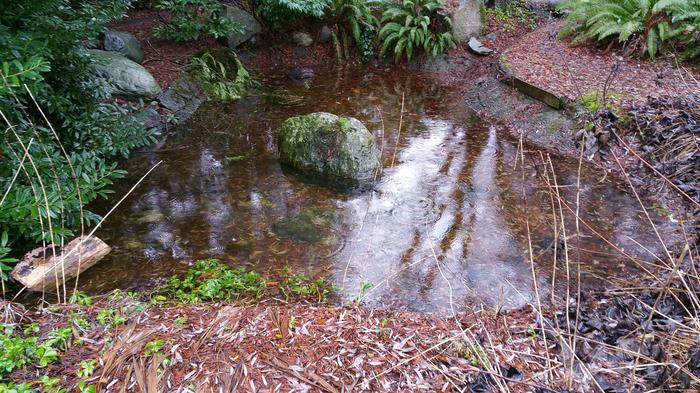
(476, 47)
(250, 26)
(326, 35)
(182, 97)
(336, 150)
(300, 74)
(149, 117)
(490, 37)
(466, 20)
(124, 43)
(301, 38)
(124, 76)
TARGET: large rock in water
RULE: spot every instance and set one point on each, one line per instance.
(323, 146)
(466, 20)
(124, 76)
(249, 26)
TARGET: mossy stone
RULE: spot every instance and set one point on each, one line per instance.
(329, 148)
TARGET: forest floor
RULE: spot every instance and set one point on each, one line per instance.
(273, 346)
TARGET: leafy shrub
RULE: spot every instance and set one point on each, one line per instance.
(642, 25)
(354, 18)
(209, 280)
(415, 24)
(5, 261)
(190, 18)
(40, 46)
(221, 75)
(279, 13)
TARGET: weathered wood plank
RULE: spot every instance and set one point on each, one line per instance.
(41, 268)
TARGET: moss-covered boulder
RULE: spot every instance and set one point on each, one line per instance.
(329, 149)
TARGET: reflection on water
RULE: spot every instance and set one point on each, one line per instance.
(444, 226)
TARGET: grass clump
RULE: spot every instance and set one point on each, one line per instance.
(211, 280)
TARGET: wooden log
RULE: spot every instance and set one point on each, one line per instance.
(41, 268)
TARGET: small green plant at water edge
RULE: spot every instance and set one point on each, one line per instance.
(415, 24)
(209, 280)
(190, 18)
(301, 285)
(80, 298)
(364, 287)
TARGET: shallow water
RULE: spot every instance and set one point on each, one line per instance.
(445, 225)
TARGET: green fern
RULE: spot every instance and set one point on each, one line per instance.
(353, 18)
(413, 25)
(221, 75)
(684, 25)
(642, 25)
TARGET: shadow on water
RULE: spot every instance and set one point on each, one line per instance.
(445, 224)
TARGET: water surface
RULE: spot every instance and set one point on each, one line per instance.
(445, 225)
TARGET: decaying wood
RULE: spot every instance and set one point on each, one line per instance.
(41, 268)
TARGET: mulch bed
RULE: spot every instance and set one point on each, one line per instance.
(543, 60)
(300, 347)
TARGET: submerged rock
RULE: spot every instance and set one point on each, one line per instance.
(300, 74)
(323, 146)
(477, 47)
(124, 76)
(124, 43)
(249, 26)
(311, 225)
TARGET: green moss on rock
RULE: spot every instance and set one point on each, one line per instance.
(328, 148)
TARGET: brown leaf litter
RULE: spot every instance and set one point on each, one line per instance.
(305, 348)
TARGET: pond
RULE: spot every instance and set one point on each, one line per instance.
(445, 226)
